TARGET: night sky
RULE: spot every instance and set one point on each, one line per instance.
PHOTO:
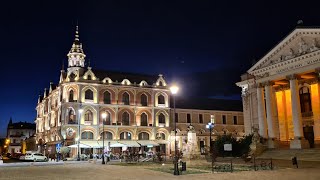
(203, 45)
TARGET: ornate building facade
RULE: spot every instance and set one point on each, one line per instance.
(137, 108)
(280, 92)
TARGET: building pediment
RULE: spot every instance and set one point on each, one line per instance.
(300, 45)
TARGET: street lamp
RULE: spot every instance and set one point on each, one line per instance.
(104, 116)
(80, 112)
(174, 90)
(210, 126)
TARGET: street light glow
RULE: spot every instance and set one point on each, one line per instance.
(174, 89)
(104, 115)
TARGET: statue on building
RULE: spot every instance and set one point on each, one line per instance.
(290, 55)
(303, 47)
(313, 45)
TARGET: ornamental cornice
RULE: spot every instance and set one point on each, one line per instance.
(294, 63)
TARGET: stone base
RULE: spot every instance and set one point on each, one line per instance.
(256, 149)
(299, 144)
(273, 143)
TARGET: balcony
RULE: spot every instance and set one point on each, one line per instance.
(307, 114)
(72, 122)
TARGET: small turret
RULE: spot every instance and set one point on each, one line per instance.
(76, 55)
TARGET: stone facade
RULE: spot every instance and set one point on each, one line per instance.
(280, 92)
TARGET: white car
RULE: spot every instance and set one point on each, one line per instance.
(35, 157)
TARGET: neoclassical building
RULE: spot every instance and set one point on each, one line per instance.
(280, 92)
(137, 108)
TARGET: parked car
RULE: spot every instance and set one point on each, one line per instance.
(35, 157)
(22, 157)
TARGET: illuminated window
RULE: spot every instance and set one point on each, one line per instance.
(143, 136)
(161, 136)
(106, 121)
(71, 99)
(107, 97)
(125, 135)
(71, 117)
(305, 99)
(88, 116)
(144, 100)
(107, 135)
(144, 119)
(161, 99)
(125, 119)
(89, 94)
(87, 135)
(162, 118)
(125, 98)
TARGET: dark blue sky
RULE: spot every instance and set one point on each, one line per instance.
(204, 45)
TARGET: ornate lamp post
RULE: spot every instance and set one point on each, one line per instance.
(174, 90)
(210, 126)
(104, 116)
(80, 112)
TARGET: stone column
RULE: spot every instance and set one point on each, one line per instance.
(270, 114)
(298, 142)
(261, 112)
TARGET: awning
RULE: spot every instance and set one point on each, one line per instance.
(98, 144)
(130, 143)
(147, 143)
(117, 145)
(162, 141)
(80, 145)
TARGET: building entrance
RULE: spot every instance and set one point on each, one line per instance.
(309, 135)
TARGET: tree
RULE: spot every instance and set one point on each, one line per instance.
(64, 151)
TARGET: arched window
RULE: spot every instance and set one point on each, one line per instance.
(160, 83)
(161, 99)
(88, 116)
(160, 136)
(71, 98)
(107, 97)
(89, 77)
(89, 94)
(72, 76)
(144, 100)
(162, 119)
(144, 119)
(106, 121)
(125, 98)
(107, 135)
(71, 117)
(125, 135)
(143, 136)
(305, 100)
(87, 135)
(125, 119)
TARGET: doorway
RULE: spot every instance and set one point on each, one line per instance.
(309, 135)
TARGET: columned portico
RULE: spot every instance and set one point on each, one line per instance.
(270, 115)
(261, 112)
(284, 87)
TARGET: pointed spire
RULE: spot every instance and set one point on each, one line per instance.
(39, 98)
(76, 38)
(62, 65)
(51, 88)
(45, 93)
(10, 122)
(76, 56)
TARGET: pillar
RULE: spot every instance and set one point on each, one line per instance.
(270, 115)
(298, 142)
(261, 113)
(315, 104)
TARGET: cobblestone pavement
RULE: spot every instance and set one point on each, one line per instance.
(90, 171)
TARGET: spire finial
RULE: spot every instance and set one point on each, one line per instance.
(76, 39)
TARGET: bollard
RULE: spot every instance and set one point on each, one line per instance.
(254, 163)
(231, 166)
(271, 165)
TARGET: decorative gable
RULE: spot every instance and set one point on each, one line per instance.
(296, 46)
(89, 75)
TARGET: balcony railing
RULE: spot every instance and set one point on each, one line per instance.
(72, 122)
(307, 114)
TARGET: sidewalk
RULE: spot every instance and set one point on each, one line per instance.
(49, 163)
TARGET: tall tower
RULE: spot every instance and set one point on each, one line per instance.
(76, 55)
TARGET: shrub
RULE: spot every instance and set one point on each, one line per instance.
(238, 147)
